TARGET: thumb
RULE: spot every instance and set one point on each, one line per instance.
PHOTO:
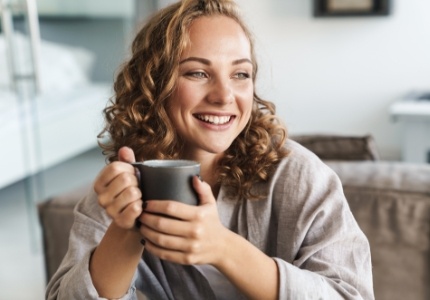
(204, 191)
(126, 154)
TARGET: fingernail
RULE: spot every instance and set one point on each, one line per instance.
(137, 224)
(200, 177)
(142, 241)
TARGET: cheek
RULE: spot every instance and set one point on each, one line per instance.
(173, 113)
(185, 99)
(247, 103)
(175, 102)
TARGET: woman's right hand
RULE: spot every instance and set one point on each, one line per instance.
(118, 190)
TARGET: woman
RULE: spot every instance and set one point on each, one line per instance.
(272, 222)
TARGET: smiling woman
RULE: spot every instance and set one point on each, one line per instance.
(194, 66)
(266, 203)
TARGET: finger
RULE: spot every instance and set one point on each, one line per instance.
(126, 154)
(127, 217)
(118, 185)
(120, 202)
(164, 254)
(203, 190)
(172, 209)
(109, 173)
(162, 240)
(174, 256)
(163, 224)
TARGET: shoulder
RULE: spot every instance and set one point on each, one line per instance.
(302, 179)
(301, 164)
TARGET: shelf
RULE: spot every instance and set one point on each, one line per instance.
(410, 109)
(414, 114)
(85, 8)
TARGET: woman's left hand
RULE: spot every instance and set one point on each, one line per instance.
(182, 233)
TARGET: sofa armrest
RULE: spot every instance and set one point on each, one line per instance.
(391, 203)
(56, 219)
(396, 176)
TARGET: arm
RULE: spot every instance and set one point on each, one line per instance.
(240, 257)
(319, 247)
(73, 279)
(330, 258)
(114, 261)
(104, 247)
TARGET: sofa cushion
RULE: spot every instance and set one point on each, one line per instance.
(337, 147)
(56, 218)
(391, 203)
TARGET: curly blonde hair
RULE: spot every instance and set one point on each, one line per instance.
(137, 116)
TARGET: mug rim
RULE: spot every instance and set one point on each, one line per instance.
(169, 163)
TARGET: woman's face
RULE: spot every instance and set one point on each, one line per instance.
(213, 99)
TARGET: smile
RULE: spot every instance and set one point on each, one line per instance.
(216, 120)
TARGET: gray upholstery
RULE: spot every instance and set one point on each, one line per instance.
(56, 218)
(339, 147)
(391, 203)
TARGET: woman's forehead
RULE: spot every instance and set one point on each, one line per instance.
(213, 35)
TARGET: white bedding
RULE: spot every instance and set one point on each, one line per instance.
(61, 122)
(51, 105)
(62, 67)
(63, 125)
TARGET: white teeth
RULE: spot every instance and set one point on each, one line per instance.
(217, 120)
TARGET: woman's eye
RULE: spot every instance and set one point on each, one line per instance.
(242, 75)
(196, 74)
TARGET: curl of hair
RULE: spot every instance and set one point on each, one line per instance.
(137, 116)
(254, 154)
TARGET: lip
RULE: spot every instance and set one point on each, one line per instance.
(219, 114)
(217, 127)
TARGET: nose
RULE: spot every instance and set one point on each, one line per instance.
(221, 92)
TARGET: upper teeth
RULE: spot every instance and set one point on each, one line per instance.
(214, 119)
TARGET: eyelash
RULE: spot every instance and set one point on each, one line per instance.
(196, 74)
(240, 75)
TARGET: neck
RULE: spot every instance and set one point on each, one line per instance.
(210, 176)
(208, 163)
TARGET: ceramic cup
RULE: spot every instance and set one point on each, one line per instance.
(168, 180)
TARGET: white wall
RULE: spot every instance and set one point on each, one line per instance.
(339, 75)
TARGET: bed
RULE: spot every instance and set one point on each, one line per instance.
(38, 131)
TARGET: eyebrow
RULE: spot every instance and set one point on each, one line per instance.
(208, 62)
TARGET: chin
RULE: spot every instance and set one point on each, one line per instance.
(217, 149)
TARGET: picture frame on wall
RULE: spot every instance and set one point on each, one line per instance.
(345, 8)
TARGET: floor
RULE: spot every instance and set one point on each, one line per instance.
(21, 259)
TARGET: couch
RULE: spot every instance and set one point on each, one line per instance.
(390, 201)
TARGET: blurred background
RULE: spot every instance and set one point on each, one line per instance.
(352, 75)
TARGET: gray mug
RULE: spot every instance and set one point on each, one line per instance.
(168, 180)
